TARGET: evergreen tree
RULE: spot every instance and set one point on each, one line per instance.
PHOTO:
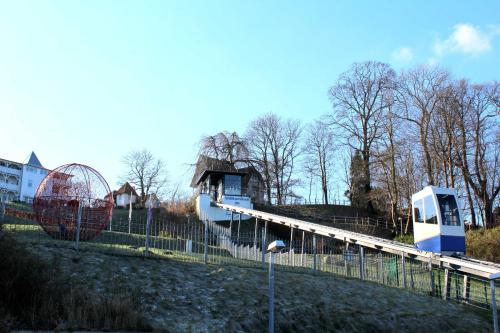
(358, 192)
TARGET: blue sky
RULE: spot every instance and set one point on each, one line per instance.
(88, 81)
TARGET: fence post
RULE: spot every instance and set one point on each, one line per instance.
(314, 252)
(403, 269)
(446, 293)
(189, 246)
(466, 290)
(255, 237)
(346, 259)
(494, 306)
(361, 262)
(302, 250)
(291, 257)
(231, 227)
(381, 267)
(264, 247)
(239, 224)
(431, 273)
(148, 232)
(78, 224)
(205, 248)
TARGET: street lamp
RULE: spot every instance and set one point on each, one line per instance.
(274, 247)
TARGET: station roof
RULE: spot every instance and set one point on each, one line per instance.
(208, 165)
(126, 189)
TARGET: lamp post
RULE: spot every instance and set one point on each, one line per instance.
(274, 247)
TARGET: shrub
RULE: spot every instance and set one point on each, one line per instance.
(407, 239)
(483, 244)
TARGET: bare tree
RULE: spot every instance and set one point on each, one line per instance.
(359, 99)
(318, 150)
(387, 156)
(478, 143)
(419, 93)
(224, 146)
(145, 172)
(258, 138)
(273, 145)
(443, 130)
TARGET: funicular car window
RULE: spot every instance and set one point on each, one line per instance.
(449, 209)
(418, 211)
(430, 210)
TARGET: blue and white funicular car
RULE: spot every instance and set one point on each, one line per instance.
(437, 221)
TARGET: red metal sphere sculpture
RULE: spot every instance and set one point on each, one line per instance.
(73, 194)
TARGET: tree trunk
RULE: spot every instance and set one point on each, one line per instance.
(471, 205)
(488, 213)
(427, 156)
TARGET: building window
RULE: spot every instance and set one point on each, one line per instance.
(232, 184)
(30, 183)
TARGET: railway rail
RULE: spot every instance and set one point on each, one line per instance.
(471, 266)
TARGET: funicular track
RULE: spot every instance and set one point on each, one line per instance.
(488, 270)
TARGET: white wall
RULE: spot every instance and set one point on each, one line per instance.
(30, 180)
(205, 210)
(124, 199)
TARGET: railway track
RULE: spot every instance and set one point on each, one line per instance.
(467, 265)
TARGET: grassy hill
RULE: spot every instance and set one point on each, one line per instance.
(91, 290)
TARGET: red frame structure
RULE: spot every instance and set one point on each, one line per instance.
(66, 190)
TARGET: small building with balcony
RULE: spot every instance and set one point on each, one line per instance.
(19, 181)
(10, 180)
(218, 181)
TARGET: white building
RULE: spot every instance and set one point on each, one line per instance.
(217, 181)
(123, 194)
(33, 174)
(19, 181)
(10, 180)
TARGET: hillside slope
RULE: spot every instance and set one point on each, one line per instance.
(343, 217)
(182, 296)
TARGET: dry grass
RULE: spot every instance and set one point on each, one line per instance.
(38, 294)
(177, 296)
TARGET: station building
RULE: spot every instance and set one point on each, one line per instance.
(218, 181)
